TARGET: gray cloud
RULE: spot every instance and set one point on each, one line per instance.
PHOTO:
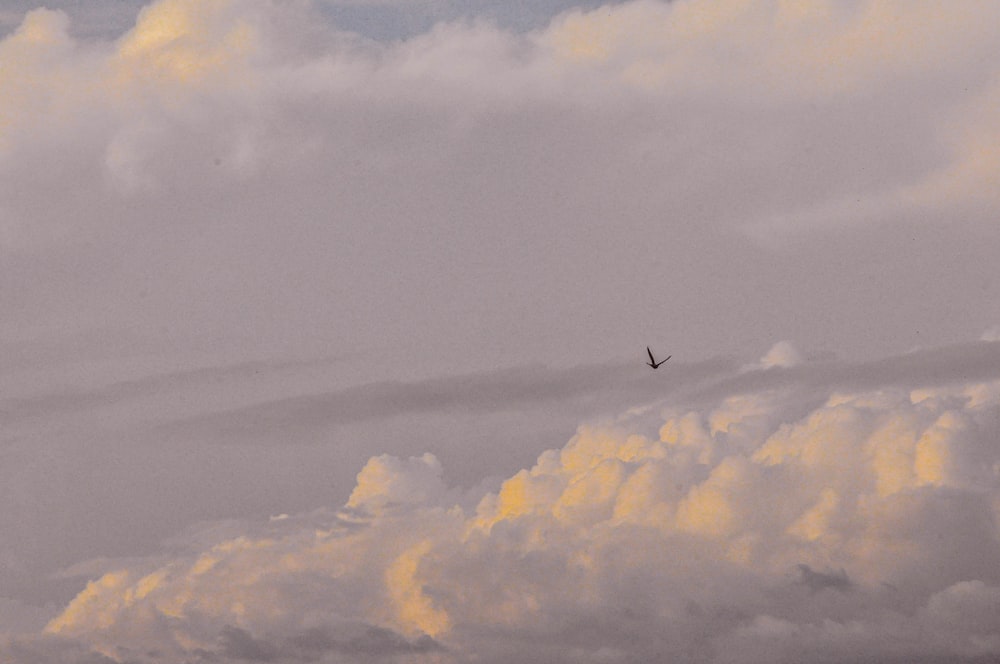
(225, 182)
(598, 390)
(816, 581)
(238, 644)
(361, 642)
(346, 643)
(45, 650)
(329, 192)
(933, 367)
(242, 380)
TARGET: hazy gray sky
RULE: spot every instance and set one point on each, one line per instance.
(251, 249)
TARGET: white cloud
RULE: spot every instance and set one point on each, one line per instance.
(867, 527)
(185, 71)
(782, 354)
(387, 482)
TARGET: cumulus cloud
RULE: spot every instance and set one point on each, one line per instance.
(386, 481)
(866, 526)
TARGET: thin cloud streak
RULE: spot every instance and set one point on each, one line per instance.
(82, 399)
(597, 391)
(934, 367)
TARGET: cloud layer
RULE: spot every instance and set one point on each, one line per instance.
(248, 166)
(233, 183)
(763, 526)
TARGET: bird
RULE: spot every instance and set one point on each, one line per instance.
(652, 362)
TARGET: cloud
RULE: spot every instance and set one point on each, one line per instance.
(247, 178)
(863, 526)
(817, 581)
(583, 388)
(224, 74)
(813, 53)
(104, 19)
(782, 354)
(253, 167)
(386, 481)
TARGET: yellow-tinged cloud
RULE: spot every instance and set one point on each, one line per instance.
(815, 523)
(415, 611)
(710, 508)
(42, 28)
(884, 499)
(36, 51)
(120, 106)
(188, 40)
(174, 42)
(95, 606)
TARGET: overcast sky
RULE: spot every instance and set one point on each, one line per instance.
(324, 329)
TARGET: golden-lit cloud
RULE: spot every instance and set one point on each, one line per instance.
(187, 40)
(867, 526)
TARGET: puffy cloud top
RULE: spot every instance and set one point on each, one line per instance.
(386, 481)
(866, 527)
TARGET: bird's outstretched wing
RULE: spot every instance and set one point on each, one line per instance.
(651, 359)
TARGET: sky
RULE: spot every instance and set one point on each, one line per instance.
(324, 330)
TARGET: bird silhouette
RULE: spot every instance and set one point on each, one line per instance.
(652, 361)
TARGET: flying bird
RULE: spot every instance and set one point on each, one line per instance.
(652, 361)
